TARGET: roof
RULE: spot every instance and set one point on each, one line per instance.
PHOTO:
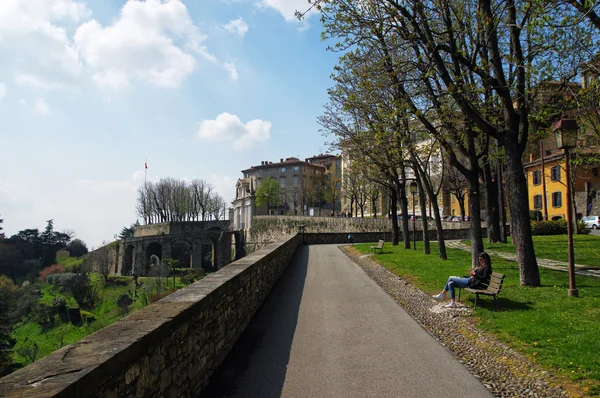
(287, 162)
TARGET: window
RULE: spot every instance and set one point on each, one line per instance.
(296, 168)
(282, 182)
(556, 199)
(537, 202)
(283, 169)
(295, 181)
(453, 199)
(595, 171)
(537, 177)
(555, 173)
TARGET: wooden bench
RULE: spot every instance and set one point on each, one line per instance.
(492, 289)
(379, 246)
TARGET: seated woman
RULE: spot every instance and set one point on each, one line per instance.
(477, 277)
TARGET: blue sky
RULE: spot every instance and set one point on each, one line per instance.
(203, 89)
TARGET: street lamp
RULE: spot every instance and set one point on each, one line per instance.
(565, 133)
(413, 190)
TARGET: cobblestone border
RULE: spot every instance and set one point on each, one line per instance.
(504, 371)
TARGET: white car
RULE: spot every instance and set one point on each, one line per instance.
(592, 222)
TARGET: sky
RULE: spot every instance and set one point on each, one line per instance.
(90, 89)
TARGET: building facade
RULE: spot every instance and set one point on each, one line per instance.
(298, 182)
(546, 182)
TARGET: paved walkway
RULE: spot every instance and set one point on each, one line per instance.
(328, 330)
(552, 264)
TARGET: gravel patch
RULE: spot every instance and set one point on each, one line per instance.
(504, 371)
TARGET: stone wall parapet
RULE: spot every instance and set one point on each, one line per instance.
(169, 348)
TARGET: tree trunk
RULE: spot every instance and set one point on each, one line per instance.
(373, 204)
(394, 209)
(518, 202)
(440, 230)
(475, 221)
(491, 203)
(424, 221)
(404, 212)
(502, 205)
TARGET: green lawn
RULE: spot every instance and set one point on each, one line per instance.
(560, 332)
(554, 247)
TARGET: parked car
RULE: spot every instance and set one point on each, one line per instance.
(592, 222)
(456, 219)
(449, 218)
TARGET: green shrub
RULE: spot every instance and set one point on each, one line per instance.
(535, 215)
(60, 305)
(124, 301)
(61, 280)
(88, 317)
(191, 276)
(549, 227)
(558, 227)
(81, 288)
(582, 228)
(43, 315)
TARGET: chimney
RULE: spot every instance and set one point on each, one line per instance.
(281, 160)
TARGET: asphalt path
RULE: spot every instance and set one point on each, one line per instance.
(328, 330)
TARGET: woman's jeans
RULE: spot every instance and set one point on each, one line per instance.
(455, 281)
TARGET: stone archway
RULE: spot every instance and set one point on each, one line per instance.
(153, 249)
(239, 245)
(181, 250)
(127, 267)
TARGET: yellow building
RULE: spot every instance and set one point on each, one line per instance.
(548, 171)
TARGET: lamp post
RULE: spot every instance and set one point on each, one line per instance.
(413, 190)
(565, 133)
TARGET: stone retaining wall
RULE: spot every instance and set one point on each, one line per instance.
(360, 237)
(169, 348)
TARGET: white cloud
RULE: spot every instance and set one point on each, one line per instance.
(237, 26)
(2, 91)
(228, 127)
(151, 41)
(41, 107)
(33, 39)
(288, 8)
(232, 70)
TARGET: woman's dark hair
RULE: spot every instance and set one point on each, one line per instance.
(486, 257)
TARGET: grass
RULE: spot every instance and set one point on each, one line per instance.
(69, 262)
(106, 312)
(557, 331)
(554, 247)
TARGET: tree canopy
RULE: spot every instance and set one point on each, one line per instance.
(267, 193)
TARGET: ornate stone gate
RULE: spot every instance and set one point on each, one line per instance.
(188, 242)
